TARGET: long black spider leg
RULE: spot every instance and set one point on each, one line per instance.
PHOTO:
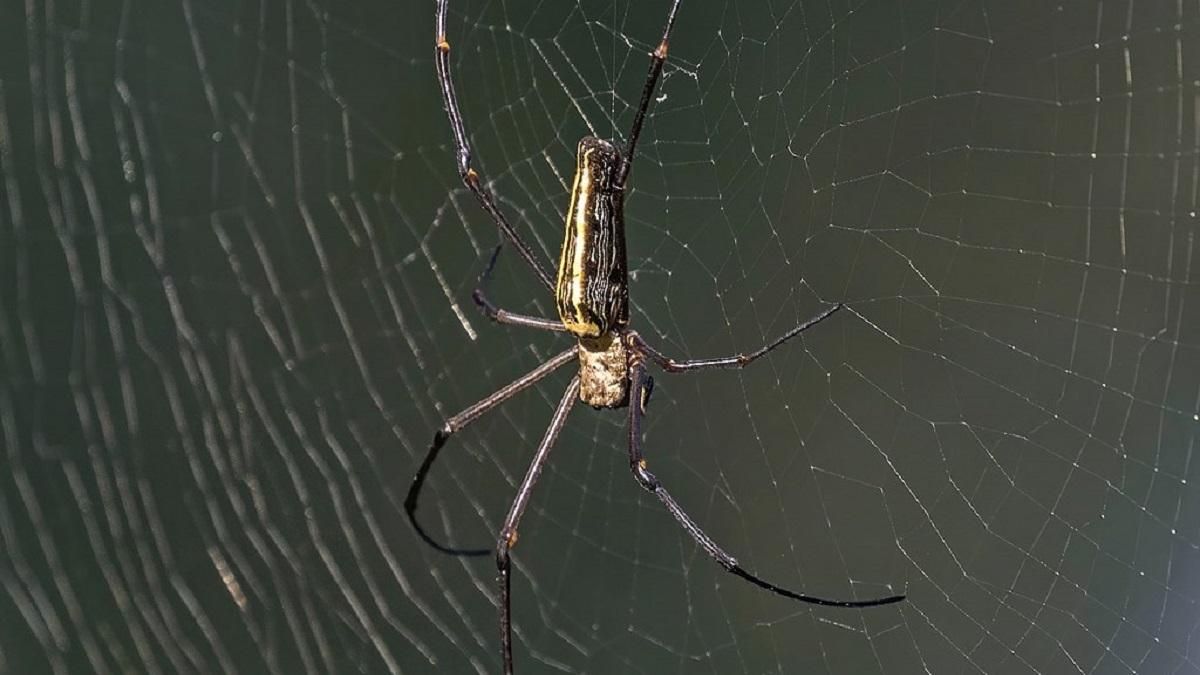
(462, 146)
(638, 398)
(502, 315)
(657, 58)
(460, 421)
(508, 534)
(736, 361)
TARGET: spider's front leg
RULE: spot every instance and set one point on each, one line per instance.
(508, 533)
(460, 421)
(639, 396)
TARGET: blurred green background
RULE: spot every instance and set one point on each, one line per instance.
(235, 276)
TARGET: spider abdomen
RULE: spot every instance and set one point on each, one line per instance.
(592, 291)
(603, 371)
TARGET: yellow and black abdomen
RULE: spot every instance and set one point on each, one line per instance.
(593, 284)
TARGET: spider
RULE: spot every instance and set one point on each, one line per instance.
(592, 296)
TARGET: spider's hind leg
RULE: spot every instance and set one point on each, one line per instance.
(462, 148)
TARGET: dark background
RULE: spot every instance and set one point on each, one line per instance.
(235, 275)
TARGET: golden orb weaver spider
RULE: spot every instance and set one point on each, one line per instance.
(592, 297)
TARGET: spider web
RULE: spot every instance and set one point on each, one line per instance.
(235, 276)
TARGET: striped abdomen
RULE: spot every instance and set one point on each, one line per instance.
(593, 287)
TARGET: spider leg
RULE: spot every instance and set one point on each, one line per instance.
(460, 421)
(638, 397)
(508, 534)
(502, 315)
(657, 58)
(469, 176)
(736, 361)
